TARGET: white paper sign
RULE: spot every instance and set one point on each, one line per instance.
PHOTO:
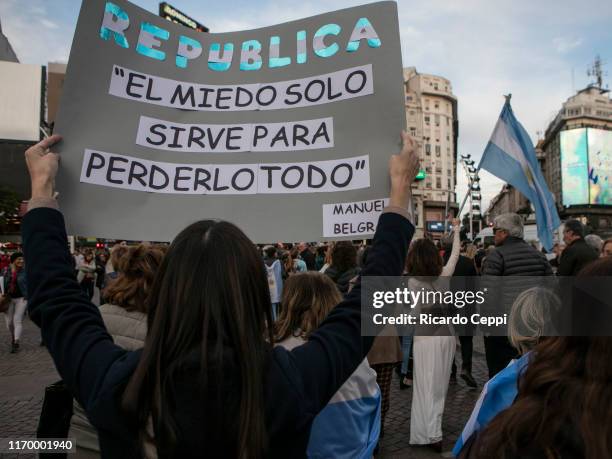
(233, 138)
(316, 90)
(119, 171)
(352, 218)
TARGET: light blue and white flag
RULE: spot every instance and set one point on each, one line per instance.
(497, 395)
(511, 157)
(349, 426)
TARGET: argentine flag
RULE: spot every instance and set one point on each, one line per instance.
(349, 426)
(497, 395)
(511, 157)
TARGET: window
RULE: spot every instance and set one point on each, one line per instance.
(447, 137)
(437, 118)
(447, 121)
(438, 150)
(428, 169)
(448, 181)
(413, 131)
(426, 118)
(435, 86)
(437, 155)
(428, 149)
(438, 182)
(448, 172)
(436, 105)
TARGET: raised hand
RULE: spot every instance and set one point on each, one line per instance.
(403, 168)
(42, 166)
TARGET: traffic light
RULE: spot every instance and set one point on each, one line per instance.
(420, 176)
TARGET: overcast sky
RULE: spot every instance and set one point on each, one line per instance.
(485, 47)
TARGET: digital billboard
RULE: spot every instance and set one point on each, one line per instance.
(600, 166)
(21, 96)
(586, 157)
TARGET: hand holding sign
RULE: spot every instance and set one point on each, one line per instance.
(403, 168)
(42, 166)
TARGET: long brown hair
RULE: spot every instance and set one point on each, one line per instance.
(423, 259)
(307, 300)
(210, 307)
(564, 402)
(137, 267)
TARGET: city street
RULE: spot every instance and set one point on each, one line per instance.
(23, 377)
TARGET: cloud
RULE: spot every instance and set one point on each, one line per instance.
(37, 10)
(34, 44)
(564, 44)
(48, 24)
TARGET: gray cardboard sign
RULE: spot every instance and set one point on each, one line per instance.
(153, 145)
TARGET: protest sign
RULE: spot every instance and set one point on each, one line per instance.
(164, 126)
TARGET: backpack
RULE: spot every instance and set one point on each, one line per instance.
(272, 284)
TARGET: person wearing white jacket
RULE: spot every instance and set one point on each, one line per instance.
(433, 355)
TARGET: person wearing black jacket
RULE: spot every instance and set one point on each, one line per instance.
(465, 270)
(512, 257)
(169, 399)
(577, 252)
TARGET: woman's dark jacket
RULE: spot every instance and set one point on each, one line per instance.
(298, 383)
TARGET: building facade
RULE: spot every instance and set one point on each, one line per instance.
(509, 199)
(588, 108)
(431, 117)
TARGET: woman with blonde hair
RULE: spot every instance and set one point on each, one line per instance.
(125, 318)
(349, 425)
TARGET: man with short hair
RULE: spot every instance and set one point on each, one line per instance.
(512, 257)
(577, 252)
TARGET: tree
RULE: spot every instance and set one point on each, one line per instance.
(9, 204)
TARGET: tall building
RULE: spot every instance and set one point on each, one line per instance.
(431, 117)
(578, 158)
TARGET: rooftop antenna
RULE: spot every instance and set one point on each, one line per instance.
(596, 71)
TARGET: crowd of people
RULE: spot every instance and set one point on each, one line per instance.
(214, 344)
